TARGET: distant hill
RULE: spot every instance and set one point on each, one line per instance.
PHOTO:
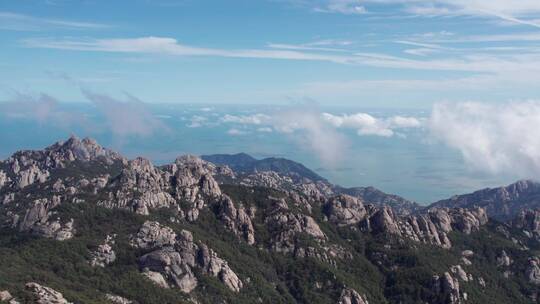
(501, 203)
(245, 163)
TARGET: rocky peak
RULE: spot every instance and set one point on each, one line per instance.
(86, 149)
(345, 210)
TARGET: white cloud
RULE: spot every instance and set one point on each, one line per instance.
(496, 138)
(347, 7)
(265, 130)
(236, 132)
(366, 124)
(19, 22)
(126, 118)
(197, 121)
(307, 129)
(477, 62)
(255, 119)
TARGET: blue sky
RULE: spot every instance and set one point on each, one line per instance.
(372, 53)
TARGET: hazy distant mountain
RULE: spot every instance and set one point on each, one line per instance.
(501, 203)
(82, 224)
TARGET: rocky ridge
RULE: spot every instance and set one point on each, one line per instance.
(290, 217)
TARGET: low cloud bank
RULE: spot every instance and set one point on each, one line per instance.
(130, 117)
(495, 138)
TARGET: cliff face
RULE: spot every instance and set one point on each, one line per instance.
(80, 223)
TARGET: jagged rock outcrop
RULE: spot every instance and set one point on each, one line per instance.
(285, 227)
(140, 187)
(153, 235)
(529, 221)
(104, 254)
(6, 297)
(37, 220)
(217, 267)
(171, 262)
(74, 148)
(117, 299)
(46, 295)
(30, 167)
(193, 177)
(345, 210)
(458, 271)
(533, 271)
(235, 219)
(430, 227)
(449, 286)
(351, 296)
(4, 179)
(31, 175)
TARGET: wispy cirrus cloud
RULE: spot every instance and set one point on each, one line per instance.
(19, 22)
(479, 62)
(523, 12)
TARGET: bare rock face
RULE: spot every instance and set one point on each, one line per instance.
(384, 220)
(174, 257)
(38, 220)
(4, 179)
(193, 177)
(503, 260)
(74, 148)
(217, 267)
(46, 295)
(168, 262)
(345, 210)
(533, 271)
(117, 299)
(153, 235)
(430, 227)
(285, 226)
(460, 273)
(104, 254)
(236, 220)
(31, 175)
(528, 221)
(5, 296)
(351, 296)
(449, 286)
(140, 187)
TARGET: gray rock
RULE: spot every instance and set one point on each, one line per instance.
(153, 235)
(345, 210)
(117, 299)
(104, 254)
(533, 271)
(236, 220)
(449, 286)
(351, 296)
(4, 179)
(217, 267)
(46, 295)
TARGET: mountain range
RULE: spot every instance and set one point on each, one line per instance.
(80, 223)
